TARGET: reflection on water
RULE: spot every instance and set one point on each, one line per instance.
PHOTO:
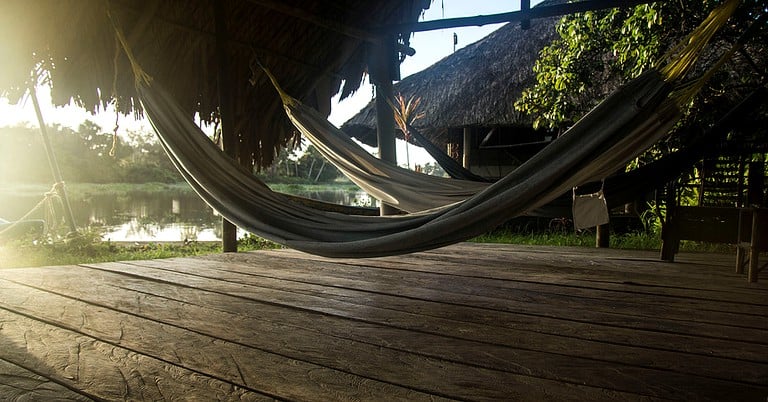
(155, 216)
(151, 217)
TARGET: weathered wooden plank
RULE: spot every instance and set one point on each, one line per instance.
(724, 368)
(101, 370)
(577, 265)
(708, 265)
(116, 284)
(20, 384)
(535, 270)
(229, 363)
(448, 347)
(477, 324)
(438, 376)
(693, 270)
(563, 298)
(407, 310)
(472, 308)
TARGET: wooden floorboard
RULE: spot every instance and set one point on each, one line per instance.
(466, 322)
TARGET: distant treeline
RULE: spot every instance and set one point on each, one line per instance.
(88, 155)
(83, 155)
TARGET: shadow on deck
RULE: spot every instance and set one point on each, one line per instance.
(469, 322)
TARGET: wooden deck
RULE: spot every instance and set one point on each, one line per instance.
(467, 322)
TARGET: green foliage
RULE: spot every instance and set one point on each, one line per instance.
(314, 168)
(87, 247)
(597, 51)
(300, 167)
(252, 242)
(88, 155)
(83, 156)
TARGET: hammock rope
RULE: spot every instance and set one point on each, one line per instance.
(48, 205)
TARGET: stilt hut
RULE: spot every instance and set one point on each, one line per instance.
(467, 100)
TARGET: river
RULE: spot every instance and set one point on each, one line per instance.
(156, 216)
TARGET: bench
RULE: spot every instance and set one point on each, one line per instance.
(747, 228)
(707, 224)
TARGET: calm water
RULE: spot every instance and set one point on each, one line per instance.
(156, 216)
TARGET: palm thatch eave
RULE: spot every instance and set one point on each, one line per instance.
(175, 42)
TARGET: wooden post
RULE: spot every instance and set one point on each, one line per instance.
(755, 184)
(669, 238)
(226, 113)
(603, 236)
(383, 66)
(467, 150)
(525, 6)
(69, 217)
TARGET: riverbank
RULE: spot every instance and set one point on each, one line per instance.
(151, 212)
(89, 249)
(91, 246)
(82, 190)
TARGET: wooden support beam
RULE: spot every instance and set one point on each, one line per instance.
(385, 123)
(533, 13)
(382, 65)
(466, 150)
(603, 236)
(525, 5)
(226, 111)
(385, 132)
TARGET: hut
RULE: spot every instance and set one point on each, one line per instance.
(468, 97)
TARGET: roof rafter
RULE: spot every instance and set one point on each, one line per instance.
(533, 13)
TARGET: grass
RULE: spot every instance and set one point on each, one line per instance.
(307, 188)
(88, 248)
(625, 241)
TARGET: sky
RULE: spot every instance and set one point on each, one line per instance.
(430, 47)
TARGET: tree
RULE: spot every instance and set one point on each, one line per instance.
(599, 50)
(405, 115)
(314, 168)
(83, 156)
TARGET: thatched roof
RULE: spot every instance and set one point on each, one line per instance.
(175, 42)
(475, 86)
